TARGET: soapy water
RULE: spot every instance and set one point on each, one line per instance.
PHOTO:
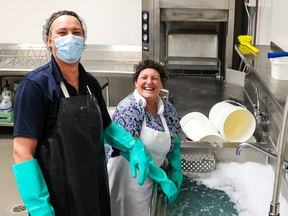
(232, 189)
(195, 199)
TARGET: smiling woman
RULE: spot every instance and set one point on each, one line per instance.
(155, 121)
(148, 83)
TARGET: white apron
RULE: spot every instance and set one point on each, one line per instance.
(127, 197)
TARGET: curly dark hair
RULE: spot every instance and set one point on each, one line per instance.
(149, 63)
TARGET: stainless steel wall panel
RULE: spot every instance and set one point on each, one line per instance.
(199, 15)
(203, 4)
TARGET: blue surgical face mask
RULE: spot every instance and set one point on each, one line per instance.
(69, 47)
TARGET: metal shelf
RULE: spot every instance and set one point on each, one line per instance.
(23, 57)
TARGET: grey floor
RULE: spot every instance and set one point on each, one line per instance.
(10, 201)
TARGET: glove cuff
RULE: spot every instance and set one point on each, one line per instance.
(32, 187)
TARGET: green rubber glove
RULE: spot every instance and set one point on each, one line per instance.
(167, 186)
(117, 137)
(174, 158)
(158, 175)
(32, 188)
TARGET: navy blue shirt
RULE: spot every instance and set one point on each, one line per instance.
(37, 99)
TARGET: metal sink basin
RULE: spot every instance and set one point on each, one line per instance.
(202, 158)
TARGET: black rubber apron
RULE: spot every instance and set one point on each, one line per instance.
(72, 159)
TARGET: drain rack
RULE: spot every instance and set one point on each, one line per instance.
(198, 162)
(26, 57)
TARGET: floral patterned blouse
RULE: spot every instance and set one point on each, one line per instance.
(129, 114)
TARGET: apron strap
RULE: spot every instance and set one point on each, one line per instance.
(88, 90)
(164, 123)
(65, 91)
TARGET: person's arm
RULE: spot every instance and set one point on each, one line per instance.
(29, 178)
(24, 149)
(117, 137)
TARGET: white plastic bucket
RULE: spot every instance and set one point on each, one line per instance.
(279, 68)
(197, 127)
(234, 122)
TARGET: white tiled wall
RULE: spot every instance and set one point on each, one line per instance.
(108, 21)
(117, 22)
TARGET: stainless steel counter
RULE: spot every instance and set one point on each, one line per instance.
(272, 92)
(261, 66)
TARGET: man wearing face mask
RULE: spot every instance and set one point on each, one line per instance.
(60, 124)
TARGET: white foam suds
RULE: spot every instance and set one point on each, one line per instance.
(249, 185)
